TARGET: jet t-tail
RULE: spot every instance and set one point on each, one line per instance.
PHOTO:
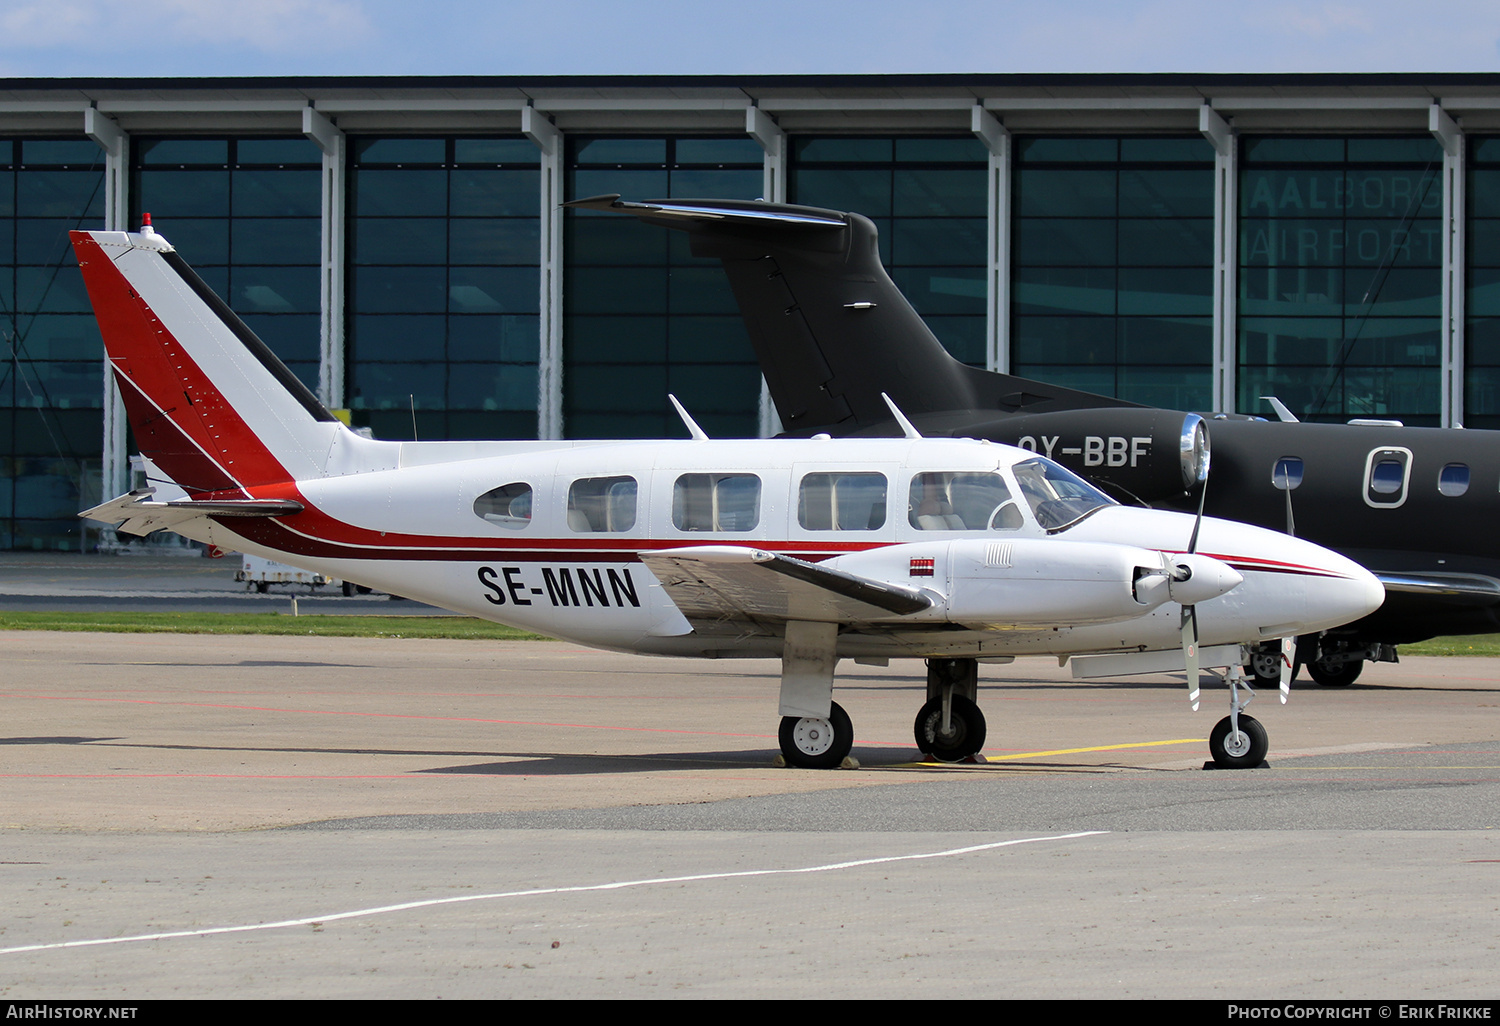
(810, 550)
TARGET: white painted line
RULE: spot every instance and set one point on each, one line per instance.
(618, 885)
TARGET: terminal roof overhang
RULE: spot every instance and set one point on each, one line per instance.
(799, 103)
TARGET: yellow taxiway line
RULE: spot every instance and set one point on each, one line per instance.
(1097, 748)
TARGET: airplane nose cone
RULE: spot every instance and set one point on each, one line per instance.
(1354, 593)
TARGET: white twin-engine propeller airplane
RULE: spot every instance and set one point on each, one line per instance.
(811, 550)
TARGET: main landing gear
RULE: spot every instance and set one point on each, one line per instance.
(1238, 741)
(950, 727)
(817, 742)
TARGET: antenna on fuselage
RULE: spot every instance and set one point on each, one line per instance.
(692, 425)
(906, 426)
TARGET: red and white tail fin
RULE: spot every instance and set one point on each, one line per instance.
(207, 400)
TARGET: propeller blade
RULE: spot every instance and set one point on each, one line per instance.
(1288, 670)
(1190, 651)
(1198, 522)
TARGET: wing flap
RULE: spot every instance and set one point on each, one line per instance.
(735, 582)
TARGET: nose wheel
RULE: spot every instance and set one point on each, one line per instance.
(815, 742)
(1243, 748)
(1238, 741)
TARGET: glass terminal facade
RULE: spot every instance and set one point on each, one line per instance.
(51, 396)
(1344, 257)
(643, 317)
(1112, 267)
(1340, 269)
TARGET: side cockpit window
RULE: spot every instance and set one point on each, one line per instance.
(716, 502)
(602, 504)
(962, 502)
(508, 506)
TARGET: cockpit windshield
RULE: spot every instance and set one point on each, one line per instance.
(1058, 497)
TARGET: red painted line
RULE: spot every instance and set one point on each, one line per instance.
(397, 716)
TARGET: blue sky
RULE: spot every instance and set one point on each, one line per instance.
(555, 37)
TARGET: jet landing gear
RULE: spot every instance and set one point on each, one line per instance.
(950, 727)
(1238, 741)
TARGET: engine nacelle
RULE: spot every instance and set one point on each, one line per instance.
(1031, 582)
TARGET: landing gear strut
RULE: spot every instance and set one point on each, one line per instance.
(950, 726)
(1238, 741)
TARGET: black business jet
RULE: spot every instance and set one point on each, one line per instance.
(1418, 506)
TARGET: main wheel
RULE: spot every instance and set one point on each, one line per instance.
(811, 742)
(1332, 674)
(1243, 750)
(965, 738)
(1265, 666)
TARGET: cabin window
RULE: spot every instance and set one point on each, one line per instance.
(601, 504)
(962, 502)
(1287, 474)
(716, 502)
(842, 502)
(508, 506)
(1387, 472)
(1385, 478)
(1454, 479)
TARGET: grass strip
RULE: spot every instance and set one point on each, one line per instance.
(318, 624)
(457, 627)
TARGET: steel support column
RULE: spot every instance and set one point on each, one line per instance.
(764, 130)
(988, 129)
(115, 143)
(1221, 134)
(549, 377)
(331, 349)
(1451, 137)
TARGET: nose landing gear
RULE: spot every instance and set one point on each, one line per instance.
(1238, 741)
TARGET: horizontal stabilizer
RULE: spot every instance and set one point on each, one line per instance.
(741, 583)
(136, 514)
(747, 212)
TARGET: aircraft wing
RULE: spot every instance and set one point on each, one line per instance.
(1455, 589)
(136, 514)
(719, 582)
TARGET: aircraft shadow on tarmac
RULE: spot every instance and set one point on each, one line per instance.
(560, 764)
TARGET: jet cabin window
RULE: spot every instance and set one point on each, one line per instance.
(962, 502)
(1057, 496)
(716, 502)
(842, 502)
(1387, 472)
(602, 504)
(508, 506)
(1454, 479)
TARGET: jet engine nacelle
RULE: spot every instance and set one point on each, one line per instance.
(1146, 454)
(1035, 582)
